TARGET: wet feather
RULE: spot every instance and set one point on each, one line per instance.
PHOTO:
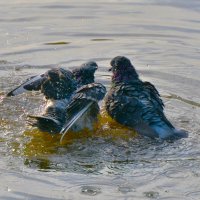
(137, 104)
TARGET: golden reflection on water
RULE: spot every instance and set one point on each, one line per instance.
(42, 143)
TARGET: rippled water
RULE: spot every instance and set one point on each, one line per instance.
(162, 38)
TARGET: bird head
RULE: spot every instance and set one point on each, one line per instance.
(53, 74)
(120, 63)
(122, 69)
(85, 73)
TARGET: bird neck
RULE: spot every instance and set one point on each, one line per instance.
(125, 76)
(85, 80)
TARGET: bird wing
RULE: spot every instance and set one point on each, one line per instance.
(45, 123)
(130, 105)
(154, 94)
(35, 82)
(84, 98)
(156, 102)
(32, 83)
(96, 91)
(73, 118)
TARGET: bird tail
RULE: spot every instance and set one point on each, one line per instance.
(165, 132)
(180, 133)
(45, 123)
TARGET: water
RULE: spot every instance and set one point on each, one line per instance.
(162, 38)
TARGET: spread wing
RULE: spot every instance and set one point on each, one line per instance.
(32, 83)
(85, 98)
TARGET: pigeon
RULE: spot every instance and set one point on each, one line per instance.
(57, 87)
(55, 83)
(51, 83)
(83, 109)
(77, 110)
(137, 104)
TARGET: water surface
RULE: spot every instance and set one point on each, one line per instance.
(162, 38)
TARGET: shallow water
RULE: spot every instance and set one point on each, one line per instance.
(162, 38)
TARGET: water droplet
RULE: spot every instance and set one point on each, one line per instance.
(151, 194)
(124, 189)
(90, 190)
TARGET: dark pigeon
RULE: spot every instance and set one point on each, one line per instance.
(77, 111)
(58, 88)
(52, 83)
(137, 104)
(83, 108)
(55, 83)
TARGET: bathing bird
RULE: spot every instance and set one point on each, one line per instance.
(137, 104)
(76, 110)
(83, 109)
(56, 83)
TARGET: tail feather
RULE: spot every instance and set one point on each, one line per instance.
(45, 123)
(165, 132)
(180, 133)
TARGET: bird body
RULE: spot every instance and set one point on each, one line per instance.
(68, 108)
(137, 104)
(58, 87)
(56, 83)
(59, 84)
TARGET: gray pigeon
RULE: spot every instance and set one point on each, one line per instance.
(56, 83)
(137, 104)
(58, 87)
(79, 111)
